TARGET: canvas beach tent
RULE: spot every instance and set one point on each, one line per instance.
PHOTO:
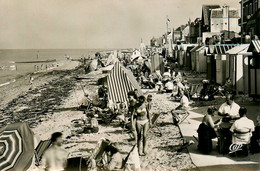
(16, 147)
(157, 63)
(120, 81)
(136, 54)
(112, 58)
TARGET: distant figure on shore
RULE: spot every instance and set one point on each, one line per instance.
(31, 80)
(55, 157)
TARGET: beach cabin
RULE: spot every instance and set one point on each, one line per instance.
(220, 57)
(193, 57)
(236, 69)
(157, 63)
(253, 62)
(211, 64)
(201, 59)
(187, 58)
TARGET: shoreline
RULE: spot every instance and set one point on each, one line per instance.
(20, 84)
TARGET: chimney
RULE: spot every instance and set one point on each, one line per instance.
(225, 11)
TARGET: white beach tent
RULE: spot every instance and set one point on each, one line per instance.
(112, 58)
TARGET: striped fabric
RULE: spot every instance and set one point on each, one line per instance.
(16, 144)
(120, 82)
(40, 149)
(157, 63)
(254, 46)
(222, 49)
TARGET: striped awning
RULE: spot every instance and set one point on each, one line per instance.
(16, 147)
(120, 81)
(222, 49)
(157, 63)
(254, 46)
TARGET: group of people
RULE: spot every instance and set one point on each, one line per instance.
(233, 127)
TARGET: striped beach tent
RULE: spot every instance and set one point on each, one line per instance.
(157, 63)
(120, 81)
(16, 147)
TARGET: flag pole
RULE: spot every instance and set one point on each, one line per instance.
(166, 41)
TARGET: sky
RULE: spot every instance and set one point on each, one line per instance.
(88, 24)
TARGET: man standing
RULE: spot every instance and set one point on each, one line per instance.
(55, 158)
(242, 128)
(229, 109)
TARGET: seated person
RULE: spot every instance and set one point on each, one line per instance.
(166, 76)
(242, 128)
(255, 145)
(159, 87)
(175, 89)
(92, 125)
(169, 86)
(184, 103)
(229, 109)
(228, 87)
(114, 158)
(206, 132)
(102, 91)
(121, 112)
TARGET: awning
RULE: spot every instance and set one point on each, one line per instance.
(254, 46)
(222, 49)
(195, 48)
(238, 49)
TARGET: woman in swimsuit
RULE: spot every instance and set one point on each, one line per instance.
(142, 123)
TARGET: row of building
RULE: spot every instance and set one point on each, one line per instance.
(239, 62)
(218, 25)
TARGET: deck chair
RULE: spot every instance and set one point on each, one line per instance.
(40, 149)
(179, 116)
(194, 89)
(98, 153)
(154, 120)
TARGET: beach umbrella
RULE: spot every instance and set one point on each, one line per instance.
(16, 147)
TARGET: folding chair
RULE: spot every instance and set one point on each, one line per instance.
(180, 115)
(154, 120)
(40, 149)
(98, 153)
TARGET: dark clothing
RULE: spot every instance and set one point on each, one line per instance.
(225, 140)
(205, 134)
(255, 140)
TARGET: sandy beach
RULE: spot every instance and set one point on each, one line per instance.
(58, 89)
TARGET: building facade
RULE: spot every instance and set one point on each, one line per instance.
(224, 19)
(250, 18)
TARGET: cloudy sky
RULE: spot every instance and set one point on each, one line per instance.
(29, 24)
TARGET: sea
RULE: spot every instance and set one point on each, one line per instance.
(13, 61)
